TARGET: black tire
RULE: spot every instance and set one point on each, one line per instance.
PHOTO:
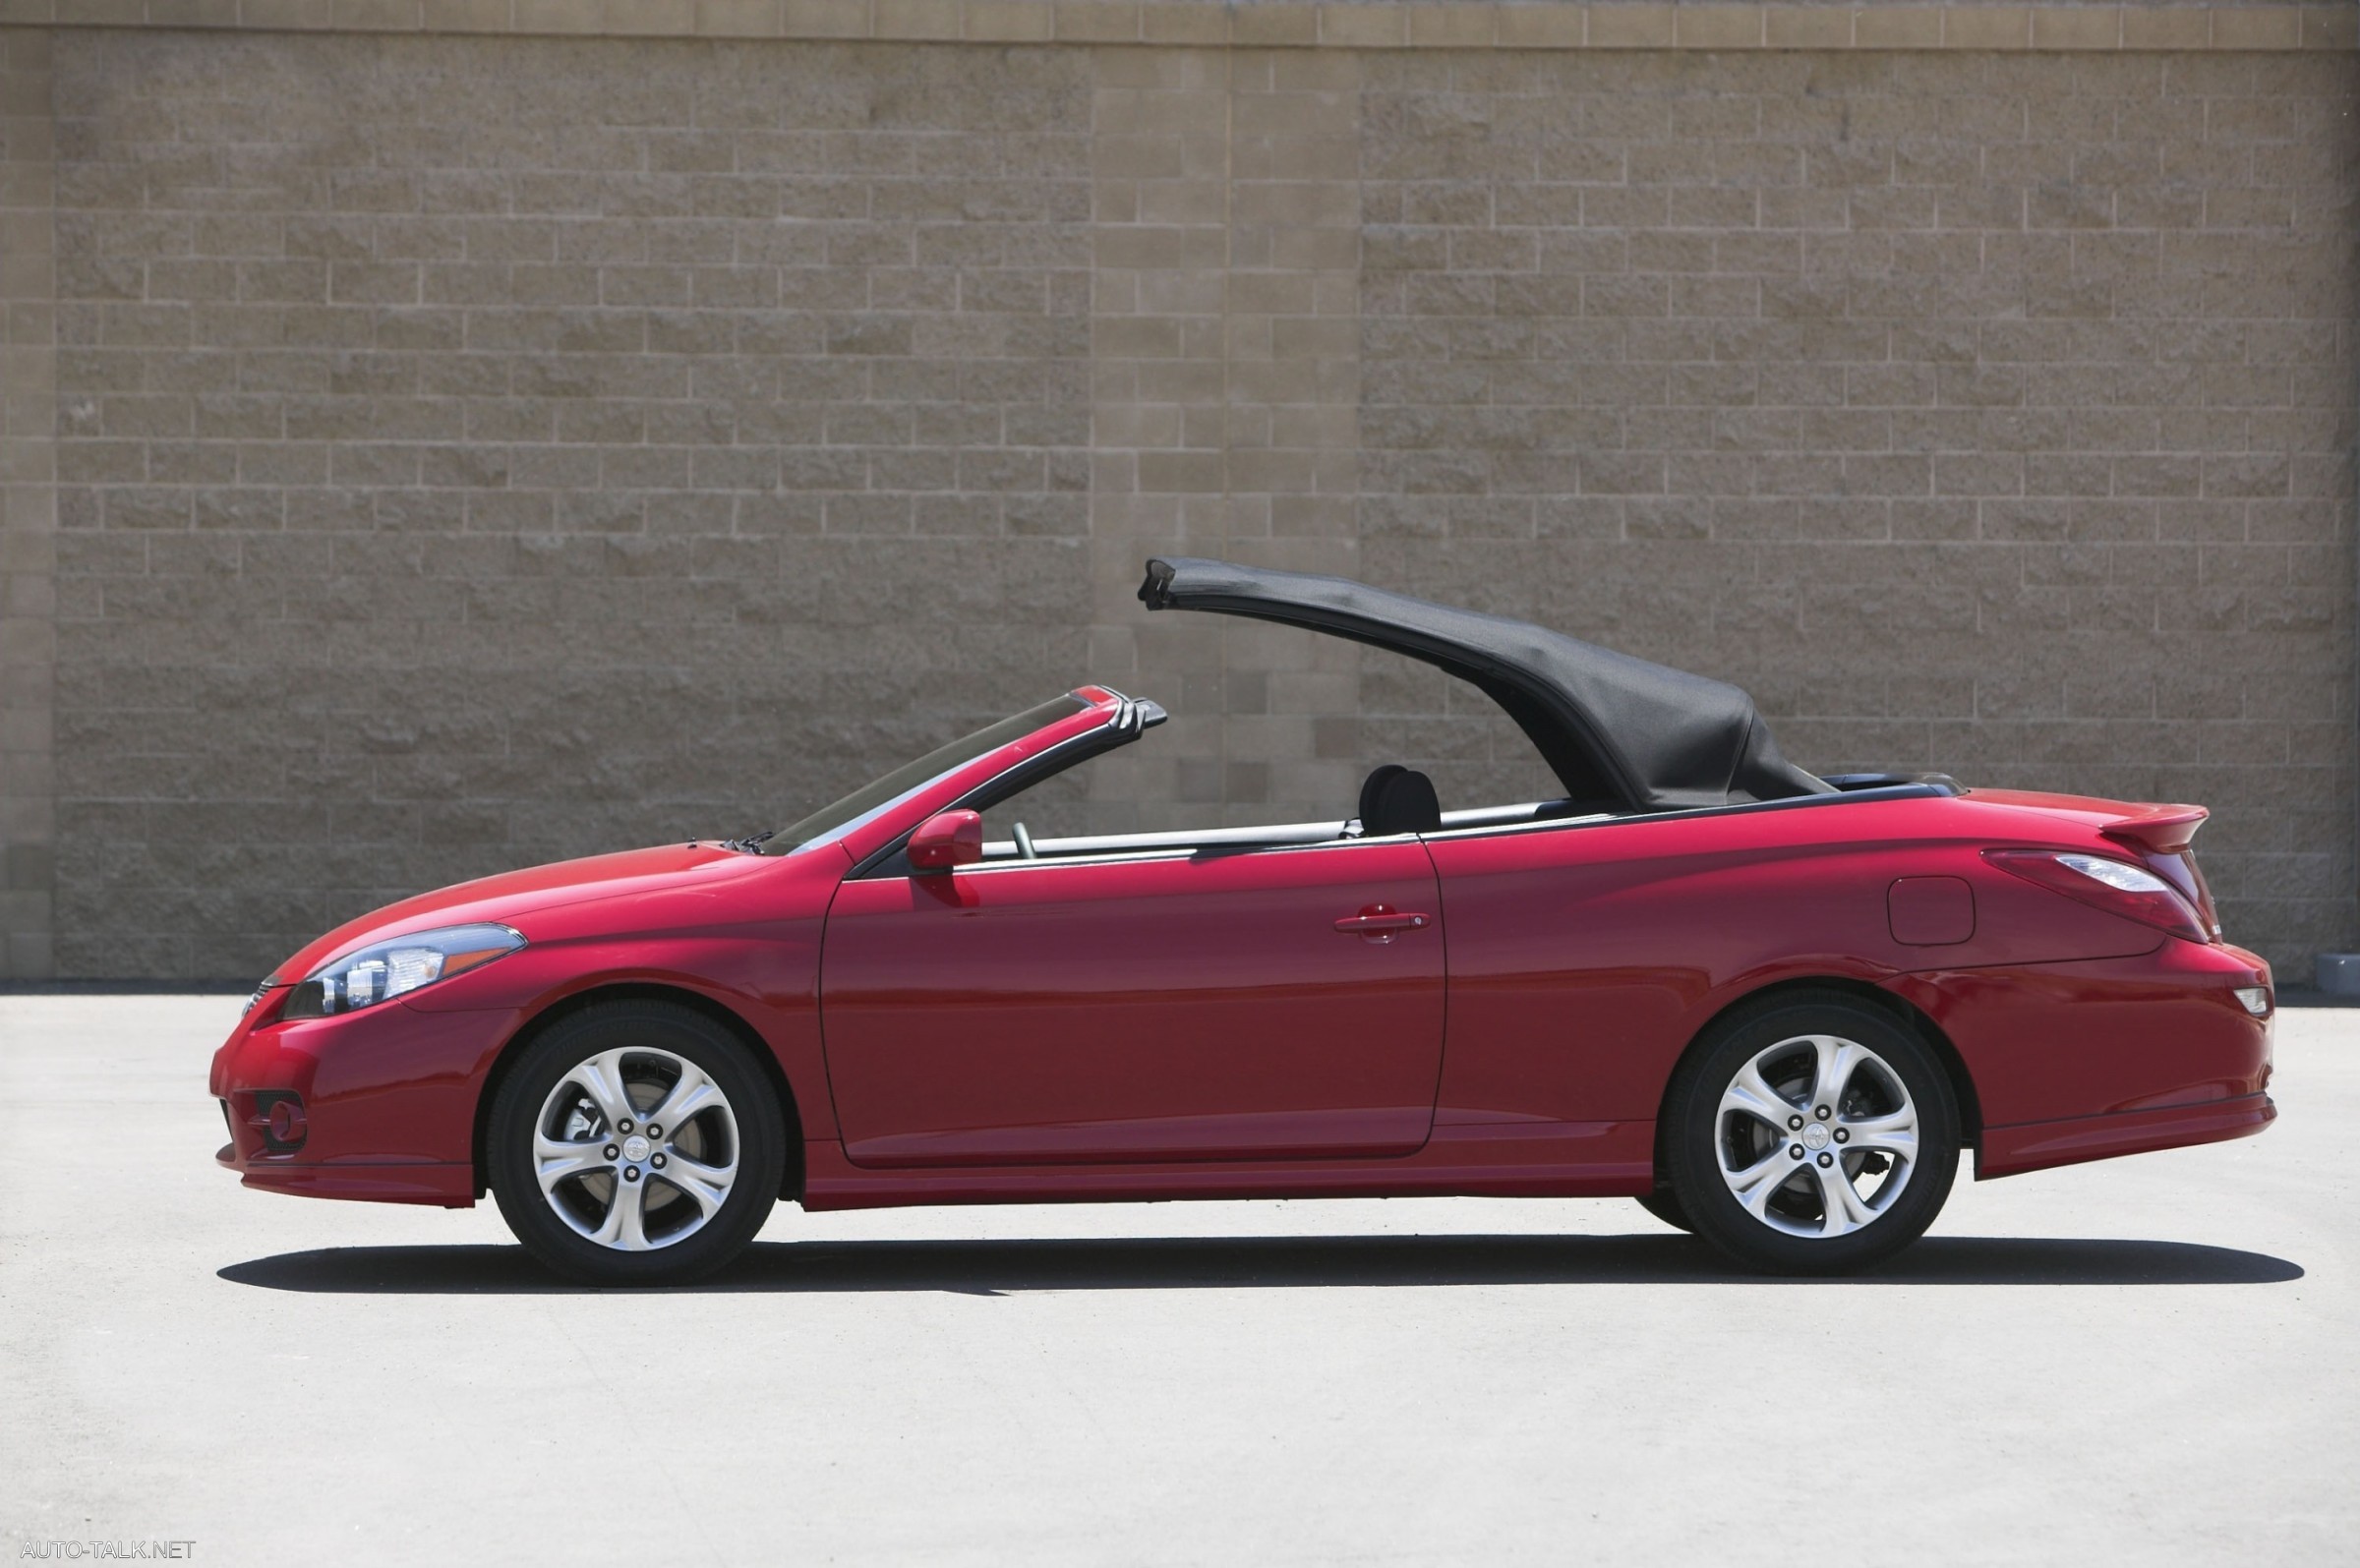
(1663, 1205)
(1698, 1138)
(751, 1123)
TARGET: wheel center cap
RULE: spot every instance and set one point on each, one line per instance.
(635, 1148)
(1814, 1136)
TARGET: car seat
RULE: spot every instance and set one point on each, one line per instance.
(1397, 799)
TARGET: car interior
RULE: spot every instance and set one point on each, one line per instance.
(1393, 801)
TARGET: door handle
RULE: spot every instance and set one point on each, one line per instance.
(1381, 920)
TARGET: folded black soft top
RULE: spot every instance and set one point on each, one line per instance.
(1618, 730)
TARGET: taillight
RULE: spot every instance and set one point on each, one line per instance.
(2115, 885)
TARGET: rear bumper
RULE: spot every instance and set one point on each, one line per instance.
(2038, 1145)
(2098, 1057)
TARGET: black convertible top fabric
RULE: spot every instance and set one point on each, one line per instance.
(1618, 730)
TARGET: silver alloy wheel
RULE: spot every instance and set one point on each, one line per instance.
(1816, 1135)
(635, 1150)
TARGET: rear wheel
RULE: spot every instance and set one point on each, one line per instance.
(636, 1144)
(1812, 1135)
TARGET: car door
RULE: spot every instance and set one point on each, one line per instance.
(1277, 1003)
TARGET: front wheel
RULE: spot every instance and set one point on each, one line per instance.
(1812, 1135)
(636, 1144)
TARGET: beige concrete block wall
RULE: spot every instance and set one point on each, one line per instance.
(464, 448)
(27, 511)
(1984, 413)
(475, 453)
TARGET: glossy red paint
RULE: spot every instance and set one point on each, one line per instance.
(1584, 959)
(2136, 1034)
(664, 869)
(388, 1097)
(1477, 1010)
(946, 841)
(1535, 1159)
(1930, 912)
(1167, 1006)
(2040, 1145)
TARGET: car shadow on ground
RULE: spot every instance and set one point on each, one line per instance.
(999, 1267)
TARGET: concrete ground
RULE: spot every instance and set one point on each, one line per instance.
(2155, 1360)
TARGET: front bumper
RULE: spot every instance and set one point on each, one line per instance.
(388, 1097)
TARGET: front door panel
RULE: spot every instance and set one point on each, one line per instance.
(1150, 1009)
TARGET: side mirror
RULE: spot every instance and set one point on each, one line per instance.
(945, 839)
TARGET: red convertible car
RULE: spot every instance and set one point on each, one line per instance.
(1772, 1008)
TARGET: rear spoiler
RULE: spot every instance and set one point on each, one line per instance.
(2165, 830)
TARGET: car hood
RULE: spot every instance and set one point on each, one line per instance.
(512, 895)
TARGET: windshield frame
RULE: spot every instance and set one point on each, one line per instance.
(950, 769)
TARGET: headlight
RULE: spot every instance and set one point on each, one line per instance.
(372, 974)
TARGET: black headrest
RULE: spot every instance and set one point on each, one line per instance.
(1397, 799)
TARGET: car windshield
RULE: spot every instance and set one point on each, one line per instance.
(832, 821)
